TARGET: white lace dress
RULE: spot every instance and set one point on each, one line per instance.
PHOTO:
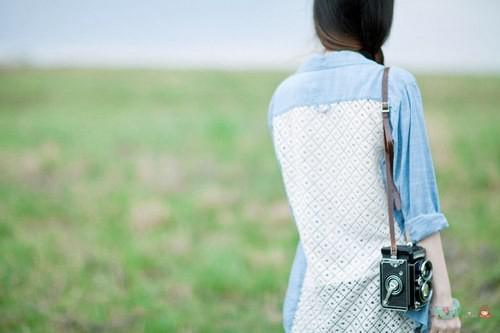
(330, 157)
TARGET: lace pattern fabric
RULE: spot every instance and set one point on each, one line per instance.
(330, 156)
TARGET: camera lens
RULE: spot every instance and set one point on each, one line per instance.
(425, 291)
(426, 269)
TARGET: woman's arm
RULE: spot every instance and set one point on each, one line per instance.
(415, 178)
(440, 280)
(441, 284)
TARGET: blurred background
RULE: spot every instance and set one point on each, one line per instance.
(138, 187)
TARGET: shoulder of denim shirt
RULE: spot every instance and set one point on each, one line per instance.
(297, 88)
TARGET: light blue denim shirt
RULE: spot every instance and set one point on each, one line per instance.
(315, 82)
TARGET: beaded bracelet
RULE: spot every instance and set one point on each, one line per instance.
(445, 312)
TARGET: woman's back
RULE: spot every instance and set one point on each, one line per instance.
(326, 125)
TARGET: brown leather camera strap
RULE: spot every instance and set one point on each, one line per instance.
(393, 197)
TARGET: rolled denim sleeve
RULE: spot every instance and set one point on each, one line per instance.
(414, 173)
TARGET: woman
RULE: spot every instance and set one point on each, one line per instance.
(326, 128)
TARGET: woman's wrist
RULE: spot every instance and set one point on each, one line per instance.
(442, 300)
(442, 296)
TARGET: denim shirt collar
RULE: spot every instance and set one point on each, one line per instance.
(331, 59)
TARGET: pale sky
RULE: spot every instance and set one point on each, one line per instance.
(428, 35)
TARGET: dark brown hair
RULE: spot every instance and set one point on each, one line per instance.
(359, 25)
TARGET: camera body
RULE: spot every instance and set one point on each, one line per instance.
(405, 281)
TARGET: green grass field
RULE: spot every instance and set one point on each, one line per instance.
(151, 201)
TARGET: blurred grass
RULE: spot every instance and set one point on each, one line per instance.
(135, 200)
